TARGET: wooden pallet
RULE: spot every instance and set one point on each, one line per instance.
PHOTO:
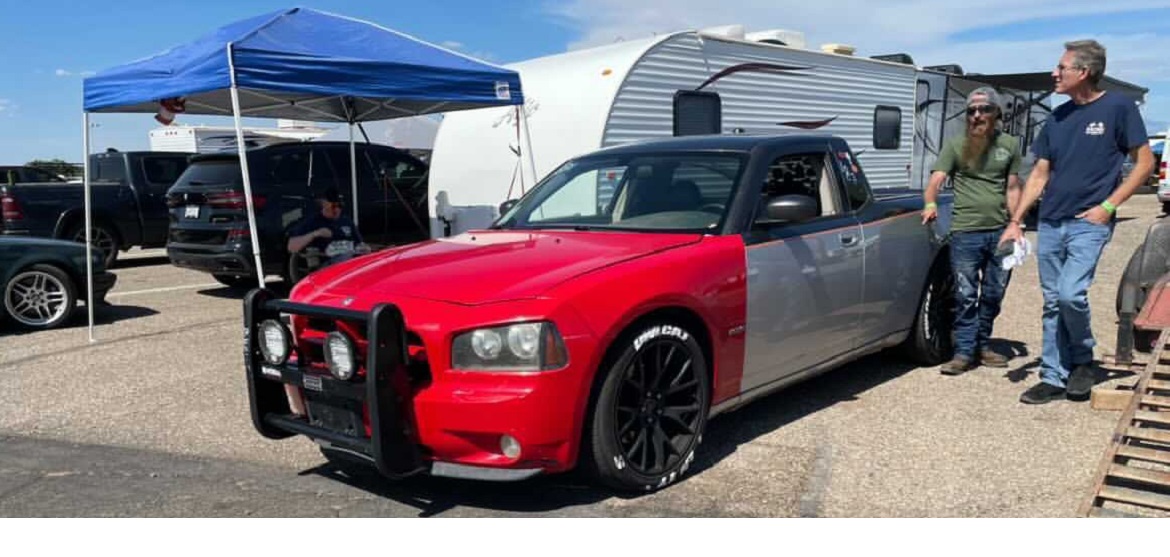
(1133, 479)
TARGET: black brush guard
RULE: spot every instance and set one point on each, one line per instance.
(390, 446)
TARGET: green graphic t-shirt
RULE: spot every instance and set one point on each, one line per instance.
(980, 192)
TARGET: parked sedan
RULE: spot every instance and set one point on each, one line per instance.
(43, 280)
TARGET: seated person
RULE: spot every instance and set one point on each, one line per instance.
(329, 233)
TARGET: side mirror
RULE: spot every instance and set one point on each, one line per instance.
(792, 208)
(507, 206)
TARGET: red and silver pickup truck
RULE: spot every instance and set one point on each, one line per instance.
(608, 314)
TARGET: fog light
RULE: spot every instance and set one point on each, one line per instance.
(510, 446)
(339, 356)
(275, 342)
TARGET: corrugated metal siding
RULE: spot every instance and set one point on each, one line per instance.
(844, 88)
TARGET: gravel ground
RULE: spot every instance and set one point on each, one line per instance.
(875, 438)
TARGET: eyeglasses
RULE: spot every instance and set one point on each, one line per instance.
(1062, 67)
(981, 109)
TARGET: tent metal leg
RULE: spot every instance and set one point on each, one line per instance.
(88, 225)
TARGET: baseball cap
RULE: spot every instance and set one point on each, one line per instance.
(985, 95)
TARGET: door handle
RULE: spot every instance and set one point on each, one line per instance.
(848, 240)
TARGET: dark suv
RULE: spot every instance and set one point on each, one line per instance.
(208, 215)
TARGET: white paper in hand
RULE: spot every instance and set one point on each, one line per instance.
(1020, 251)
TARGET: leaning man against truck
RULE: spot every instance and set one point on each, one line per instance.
(983, 166)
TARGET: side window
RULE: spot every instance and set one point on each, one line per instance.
(109, 169)
(288, 171)
(887, 127)
(697, 113)
(162, 172)
(323, 175)
(405, 175)
(805, 175)
(850, 175)
(340, 178)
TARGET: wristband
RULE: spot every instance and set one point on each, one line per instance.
(931, 205)
(1109, 207)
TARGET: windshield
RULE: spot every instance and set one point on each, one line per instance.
(685, 192)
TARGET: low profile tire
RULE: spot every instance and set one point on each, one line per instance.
(237, 282)
(104, 239)
(651, 410)
(930, 342)
(40, 297)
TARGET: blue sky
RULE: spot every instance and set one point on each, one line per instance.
(48, 46)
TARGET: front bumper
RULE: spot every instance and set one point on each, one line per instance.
(102, 284)
(450, 423)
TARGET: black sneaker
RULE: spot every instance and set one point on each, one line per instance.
(957, 366)
(1041, 393)
(1080, 382)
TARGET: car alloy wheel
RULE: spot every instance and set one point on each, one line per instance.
(40, 297)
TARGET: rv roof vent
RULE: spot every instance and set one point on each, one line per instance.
(953, 69)
(784, 37)
(899, 58)
(729, 31)
(836, 48)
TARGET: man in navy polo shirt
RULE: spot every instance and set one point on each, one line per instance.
(1079, 153)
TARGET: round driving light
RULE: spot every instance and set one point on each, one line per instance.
(274, 342)
(339, 356)
(524, 340)
(510, 446)
(486, 344)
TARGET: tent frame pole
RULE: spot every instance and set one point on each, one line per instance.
(243, 150)
(353, 175)
(528, 144)
(89, 303)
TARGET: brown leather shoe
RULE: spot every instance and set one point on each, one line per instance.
(957, 366)
(991, 358)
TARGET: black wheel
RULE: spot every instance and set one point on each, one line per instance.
(40, 297)
(233, 281)
(651, 410)
(1166, 207)
(104, 239)
(930, 342)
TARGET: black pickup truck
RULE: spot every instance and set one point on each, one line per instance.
(129, 201)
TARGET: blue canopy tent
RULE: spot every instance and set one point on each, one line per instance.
(302, 64)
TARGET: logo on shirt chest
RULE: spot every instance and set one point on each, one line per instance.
(1001, 154)
(1095, 128)
(346, 231)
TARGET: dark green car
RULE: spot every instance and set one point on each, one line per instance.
(43, 280)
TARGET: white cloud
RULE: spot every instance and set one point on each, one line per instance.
(67, 73)
(6, 105)
(452, 45)
(62, 73)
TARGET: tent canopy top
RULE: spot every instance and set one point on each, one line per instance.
(309, 65)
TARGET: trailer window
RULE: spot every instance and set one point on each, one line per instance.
(697, 113)
(887, 127)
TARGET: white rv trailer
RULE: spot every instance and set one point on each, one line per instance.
(216, 139)
(702, 82)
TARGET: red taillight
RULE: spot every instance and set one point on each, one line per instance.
(234, 200)
(10, 208)
(1163, 171)
(239, 234)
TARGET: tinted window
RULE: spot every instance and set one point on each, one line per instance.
(805, 175)
(697, 113)
(111, 169)
(851, 176)
(211, 173)
(887, 127)
(163, 171)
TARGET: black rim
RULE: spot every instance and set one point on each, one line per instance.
(939, 310)
(659, 407)
(101, 240)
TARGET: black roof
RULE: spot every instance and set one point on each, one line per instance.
(739, 143)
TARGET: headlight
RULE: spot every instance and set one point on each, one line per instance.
(275, 342)
(339, 355)
(520, 347)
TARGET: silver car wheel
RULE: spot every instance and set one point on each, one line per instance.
(36, 298)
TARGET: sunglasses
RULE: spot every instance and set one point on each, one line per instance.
(981, 109)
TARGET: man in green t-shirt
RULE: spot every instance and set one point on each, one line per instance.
(983, 166)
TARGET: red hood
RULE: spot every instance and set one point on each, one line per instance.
(488, 266)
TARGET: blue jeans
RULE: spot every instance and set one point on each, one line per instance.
(1067, 253)
(980, 282)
